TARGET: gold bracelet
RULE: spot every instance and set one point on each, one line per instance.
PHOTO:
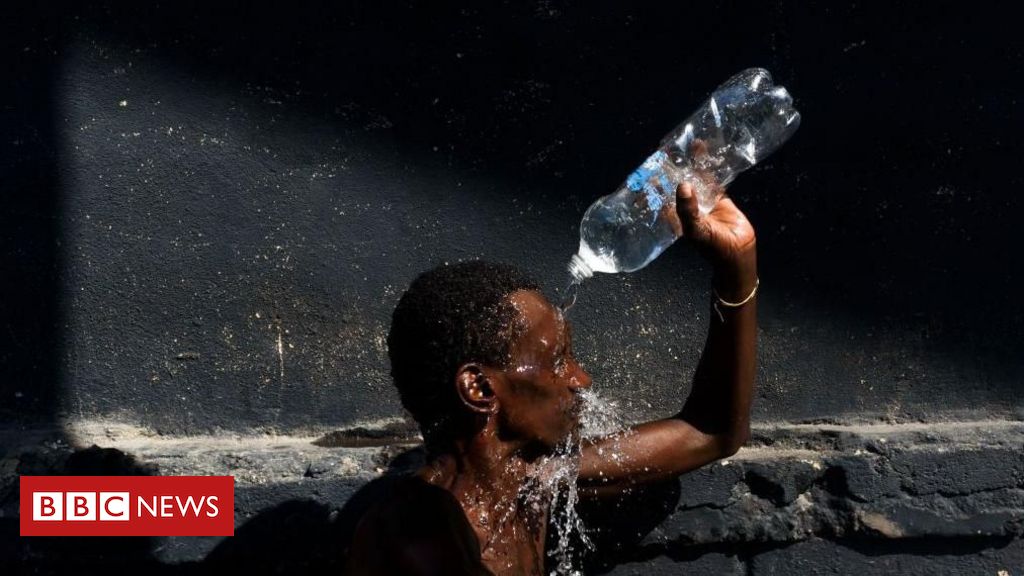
(719, 300)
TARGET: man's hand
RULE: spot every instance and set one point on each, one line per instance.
(723, 235)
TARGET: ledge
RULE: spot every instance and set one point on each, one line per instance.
(794, 484)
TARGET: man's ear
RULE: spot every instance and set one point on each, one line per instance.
(474, 389)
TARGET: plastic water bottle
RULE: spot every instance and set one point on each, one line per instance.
(743, 121)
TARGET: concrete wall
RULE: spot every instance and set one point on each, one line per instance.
(209, 215)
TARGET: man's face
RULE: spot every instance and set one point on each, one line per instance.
(540, 401)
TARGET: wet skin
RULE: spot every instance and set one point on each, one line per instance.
(526, 409)
(541, 384)
(530, 407)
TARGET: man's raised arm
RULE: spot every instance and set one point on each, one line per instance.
(715, 419)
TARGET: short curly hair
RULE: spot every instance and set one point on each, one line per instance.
(450, 315)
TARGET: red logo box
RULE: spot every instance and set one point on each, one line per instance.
(127, 506)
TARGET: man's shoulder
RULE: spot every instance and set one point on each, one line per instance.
(401, 494)
(400, 523)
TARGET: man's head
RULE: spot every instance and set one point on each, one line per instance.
(476, 341)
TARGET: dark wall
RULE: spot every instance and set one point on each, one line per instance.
(210, 212)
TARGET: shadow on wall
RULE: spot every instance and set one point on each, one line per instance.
(82, 555)
(31, 248)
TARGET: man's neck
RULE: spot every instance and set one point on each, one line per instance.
(488, 476)
(481, 471)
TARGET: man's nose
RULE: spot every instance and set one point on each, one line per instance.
(580, 380)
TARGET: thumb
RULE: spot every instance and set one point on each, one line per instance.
(694, 225)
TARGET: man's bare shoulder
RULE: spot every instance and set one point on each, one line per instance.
(404, 525)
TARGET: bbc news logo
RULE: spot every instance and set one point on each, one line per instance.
(127, 506)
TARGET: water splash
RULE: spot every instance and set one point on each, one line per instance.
(549, 492)
(552, 487)
(598, 416)
(571, 292)
(551, 483)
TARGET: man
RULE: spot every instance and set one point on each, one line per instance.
(484, 363)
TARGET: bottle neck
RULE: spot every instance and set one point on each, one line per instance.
(579, 270)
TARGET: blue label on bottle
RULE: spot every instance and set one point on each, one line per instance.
(653, 199)
(638, 179)
(647, 179)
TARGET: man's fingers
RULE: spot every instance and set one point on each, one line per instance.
(725, 203)
(686, 198)
(698, 148)
(693, 223)
(689, 211)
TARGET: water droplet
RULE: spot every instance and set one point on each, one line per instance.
(569, 300)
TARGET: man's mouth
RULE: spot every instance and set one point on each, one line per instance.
(574, 413)
(575, 408)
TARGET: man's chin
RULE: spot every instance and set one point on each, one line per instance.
(565, 443)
